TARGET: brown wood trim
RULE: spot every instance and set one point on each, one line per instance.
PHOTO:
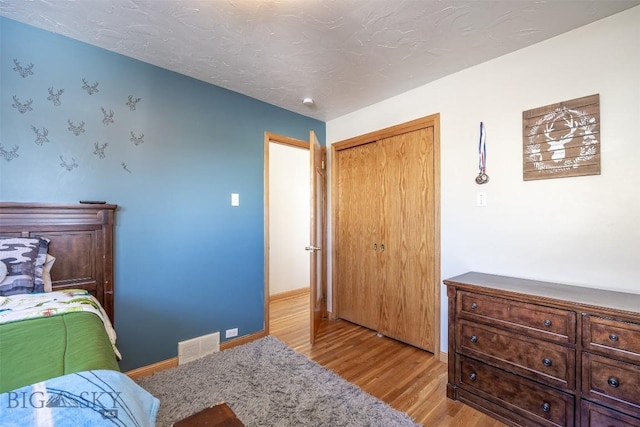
(145, 371)
(421, 123)
(335, 241)
(267, 140)
(286, 140)
(435, 268)
(289, 294)
(444, 357)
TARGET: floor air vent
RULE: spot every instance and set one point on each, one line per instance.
(198, 347)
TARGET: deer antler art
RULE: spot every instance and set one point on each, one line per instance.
(99, 149)
(90, 89)
(77, 130)
(23, 71)
(55, 97)
(9, 155)
(108, 117)
(137, 140)
(41, 138)
(22, 108)
(557, 144)
(131, 103)
(68, 166)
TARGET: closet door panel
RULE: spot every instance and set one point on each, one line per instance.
(358, 234)
(406, 295)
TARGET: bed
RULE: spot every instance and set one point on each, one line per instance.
(56, 317)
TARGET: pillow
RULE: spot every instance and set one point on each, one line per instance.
(46, 272)
(3, 271)
(23, 259)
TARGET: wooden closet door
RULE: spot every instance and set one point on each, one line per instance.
(358, 233)
(407, 195)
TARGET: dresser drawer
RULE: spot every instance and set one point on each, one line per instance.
(532, 319)
(536, 359)
(612, 382)
(612, 337)
(538, 403)
(598, 416)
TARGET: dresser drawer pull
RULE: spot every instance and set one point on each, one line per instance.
(546, 407)
(613, 382)
(473, 339)
(547, 322)
(613, 337)
(474, 306)
(473, 376)
(546, 362)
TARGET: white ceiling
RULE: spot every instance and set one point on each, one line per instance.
(345, 54)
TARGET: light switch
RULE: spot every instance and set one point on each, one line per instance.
(235, 199)
(481, 199)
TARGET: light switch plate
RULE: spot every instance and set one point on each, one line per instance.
(481, 199)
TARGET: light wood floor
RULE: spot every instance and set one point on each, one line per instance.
(409, 379)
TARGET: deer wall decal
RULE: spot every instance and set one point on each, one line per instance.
(11, 154)
(90, 88)
(108, 117)
(22, 108)
(23, 71)
(41, 136)
(55, 97)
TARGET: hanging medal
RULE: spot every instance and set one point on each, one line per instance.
(482, 177)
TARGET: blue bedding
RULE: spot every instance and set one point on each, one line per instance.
(88, 398)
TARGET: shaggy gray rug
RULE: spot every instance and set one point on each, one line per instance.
(266, 383)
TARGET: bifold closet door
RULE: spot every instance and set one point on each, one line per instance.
(407, 192)
(358, 234)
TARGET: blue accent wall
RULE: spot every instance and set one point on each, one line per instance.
(186, 262)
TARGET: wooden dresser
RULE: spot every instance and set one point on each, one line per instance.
(544, 354)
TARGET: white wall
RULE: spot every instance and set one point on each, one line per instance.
(584, 230)
(289, 212)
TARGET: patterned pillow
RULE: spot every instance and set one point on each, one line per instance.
(22, 260)
(46, 273)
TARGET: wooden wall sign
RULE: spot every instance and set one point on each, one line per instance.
(562, 140)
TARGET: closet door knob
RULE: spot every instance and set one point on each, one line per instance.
(375, 246)
(382, 247)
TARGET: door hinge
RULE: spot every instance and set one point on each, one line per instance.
(323, 165)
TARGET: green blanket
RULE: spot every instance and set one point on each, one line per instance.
(37, 349)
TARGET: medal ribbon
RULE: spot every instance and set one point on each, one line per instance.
(482, 150)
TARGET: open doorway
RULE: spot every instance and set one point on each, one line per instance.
(287, 211)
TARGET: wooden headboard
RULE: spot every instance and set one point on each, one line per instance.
(81, 240)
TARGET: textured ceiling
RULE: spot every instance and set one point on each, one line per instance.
(345, 54)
